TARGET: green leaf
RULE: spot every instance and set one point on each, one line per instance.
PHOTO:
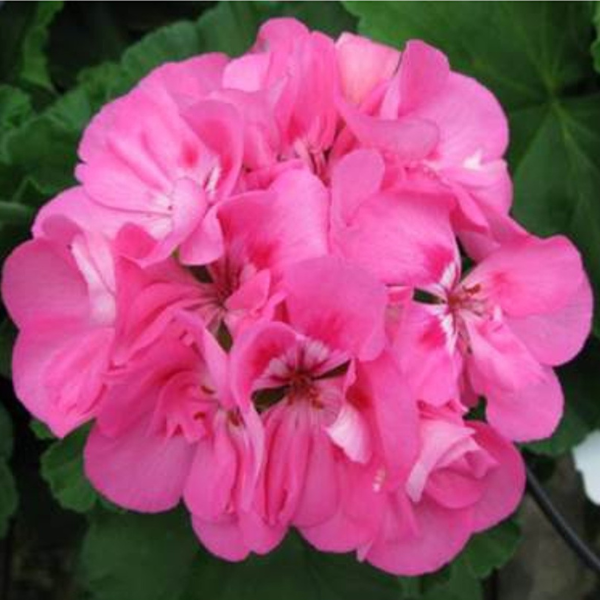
(453, 582)
(34, 69)
(596, 44)
(174, 42)
(8, 497)
(8, 490)
(13, 213)
(461, 584)
(328, 17)
(41, 430)
(533, 58)
(6, 434)
(43, 150)
(23, 37)
(581, 386)
(62, 468)
(157, 557)
(491, 549)
(138, 557)
(294, 571)
(7, 338)
(231, 27)
(15, 106)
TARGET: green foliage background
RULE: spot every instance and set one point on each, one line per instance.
(60, 63)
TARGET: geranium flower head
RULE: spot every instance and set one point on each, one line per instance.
(281, 285)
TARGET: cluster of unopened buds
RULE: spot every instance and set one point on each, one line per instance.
(287, 291)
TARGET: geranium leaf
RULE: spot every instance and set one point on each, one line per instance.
(8, 497)
(6, 434)
(8, 489)
(157, 557)
(491, 549)
(138, 557)
(62, 468)
(294, 571)
(23, 37)
(596, 44)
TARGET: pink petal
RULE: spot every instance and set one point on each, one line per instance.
(424, 347)
(204, 243)
(363, 64)
(357, 177)
(555, 338)
(320, 495)
(530, 413)
(442, 443)
(395, 414)
(504, 485)
(286, 224)
(351, 526)
(331, 300)
(453, 489)
(75, 205)
(409, 138)
(42, 285)
(190, 79)
(426, 550)
(288, 446)
(470, 120)
(210, 486)
(247, 73)
(223, 537)
(73, 399)
(422, 76)
(218, 125)
(394, 234)
(498, 359)
(350, 432)
(138, 470)
(528, 277)
(253, 351)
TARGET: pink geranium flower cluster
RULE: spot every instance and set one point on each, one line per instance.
(281, 285)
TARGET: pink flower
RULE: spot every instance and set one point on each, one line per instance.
(388, 228)
(255, 294)
(511, 319)
(433, 124)
(467, 478)
(298, 68)
(297, 372)
(160, 161)
(60, 291)
(264, 232)
(364, 66)
(169, 426)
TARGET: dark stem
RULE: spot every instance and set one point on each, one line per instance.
(558, 521)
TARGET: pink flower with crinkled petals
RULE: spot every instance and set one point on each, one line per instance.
(503, 327)
(299, 70)
(160, 161)
(168, 426)
(59, 290)
(467, 478)
(297, 373)
(432, 124)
